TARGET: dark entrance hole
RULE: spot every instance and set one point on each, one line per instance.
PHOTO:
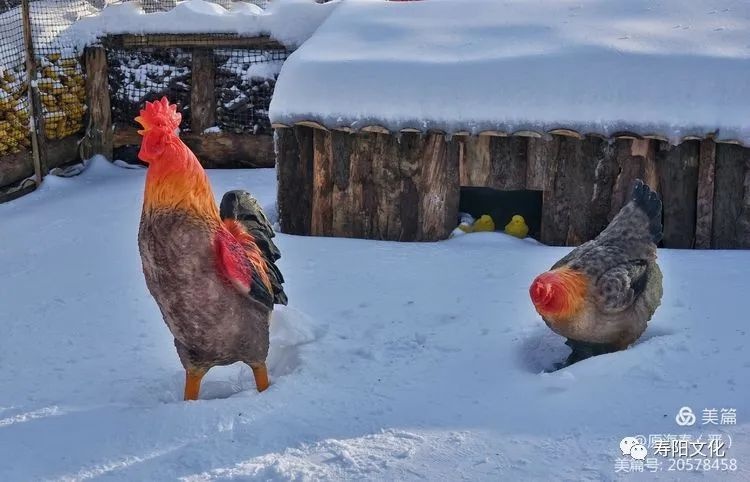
(503, 205)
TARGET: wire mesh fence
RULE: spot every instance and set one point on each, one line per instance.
(245, 80)
(243, 75)
(14, 100)
(60, 77)
(137, 76)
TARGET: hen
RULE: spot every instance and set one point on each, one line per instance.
(603, 293)
(212, 272)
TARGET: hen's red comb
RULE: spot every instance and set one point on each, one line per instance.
(159, 114)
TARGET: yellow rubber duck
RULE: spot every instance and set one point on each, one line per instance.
(517, 227)
(484, 223)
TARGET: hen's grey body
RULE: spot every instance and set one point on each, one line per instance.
(626, 282)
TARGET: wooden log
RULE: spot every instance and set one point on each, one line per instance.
(538, 152)
(409, 153)
(99, 133)
(203, 90)
(362, 190)
(705, 201)
(557, 198)
(678, 187)
(439, 190)
(224, 150)
(322, 189)
(295, 178)
(343, 220)
(728, 194)
(19, 166)
(475, 161)
(508, 159)
(387, 183)
(189, 41)
(605, 174)
(637, 160)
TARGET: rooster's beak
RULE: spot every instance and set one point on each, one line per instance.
(144, 124)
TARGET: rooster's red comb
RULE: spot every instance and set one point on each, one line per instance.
(159, 114)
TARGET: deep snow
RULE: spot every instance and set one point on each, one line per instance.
(393, 361)
(667, 67)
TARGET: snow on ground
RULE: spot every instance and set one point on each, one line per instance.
(393, 361)
(291, 22)
(666, 67)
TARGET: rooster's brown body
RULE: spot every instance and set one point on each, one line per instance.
(212, 273)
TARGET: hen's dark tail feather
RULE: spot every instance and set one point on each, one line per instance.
(648, 202)
(243, 207)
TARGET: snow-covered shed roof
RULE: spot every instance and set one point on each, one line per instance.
(291, 22)
(663, 68)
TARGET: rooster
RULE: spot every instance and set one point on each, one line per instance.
(603, 293)
(211, 271)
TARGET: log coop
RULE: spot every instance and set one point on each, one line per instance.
(349, 167)
(222, 84)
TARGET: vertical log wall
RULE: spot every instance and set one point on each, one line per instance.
(406, 186)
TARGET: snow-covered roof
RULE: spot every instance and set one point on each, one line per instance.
(291, 22)
(667, 68)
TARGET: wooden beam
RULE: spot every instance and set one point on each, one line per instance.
(705, 202)
(99, 132)
(35, 107)
(203, 90)
(212, 41)
(18, 166)
(223, 150)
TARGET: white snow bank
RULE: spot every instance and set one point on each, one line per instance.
(665, 67)
(393, 361)
(290, 22)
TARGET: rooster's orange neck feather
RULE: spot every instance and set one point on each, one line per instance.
(176, 180)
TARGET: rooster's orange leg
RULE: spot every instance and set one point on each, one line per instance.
(261, 376)
(193, 384)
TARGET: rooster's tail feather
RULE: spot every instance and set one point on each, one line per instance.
(243, 207)
(648, 202)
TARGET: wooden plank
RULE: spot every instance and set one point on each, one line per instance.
(678, 180)
(322, 190)
(705, 201)
(134, 41)
(203, 90)
(361, 187)
(728, 194)
(557, 205)
(475, 164)
(224, 150)
(294, 173)
(508, 157)
(98, 138)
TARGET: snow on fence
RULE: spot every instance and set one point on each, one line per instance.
(222, 83)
